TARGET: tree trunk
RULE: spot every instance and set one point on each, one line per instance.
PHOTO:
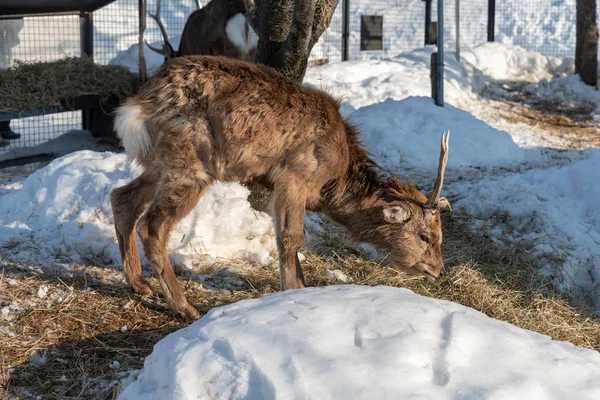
(586, 50)
(287, 31)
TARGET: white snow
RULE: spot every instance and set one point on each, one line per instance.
(558, 207)
(508, 62)
(42, 291)
(63, 212)
(353, 342)
(336, 275)
(408, 132)
(568, 90)
(38, 358)
(130, 57)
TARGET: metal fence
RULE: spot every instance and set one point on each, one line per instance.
(360, 29)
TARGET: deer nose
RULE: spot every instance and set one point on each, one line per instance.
(442, 272)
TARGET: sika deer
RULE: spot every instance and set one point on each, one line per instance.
(200, 119)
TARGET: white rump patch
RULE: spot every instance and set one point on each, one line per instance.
(241, 34)
(131, 129)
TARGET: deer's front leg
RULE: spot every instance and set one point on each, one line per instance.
(289, 227)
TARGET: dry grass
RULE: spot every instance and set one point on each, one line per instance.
(82, 334)
(30, 86)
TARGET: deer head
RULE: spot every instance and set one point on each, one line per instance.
(411, 229)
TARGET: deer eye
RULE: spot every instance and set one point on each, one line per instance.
(424, 238)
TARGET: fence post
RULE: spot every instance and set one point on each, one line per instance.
(491, 20)
(427, 21)
(457, 19)
(86, 32)
(439, 99)
(142, 28)
(345, 28)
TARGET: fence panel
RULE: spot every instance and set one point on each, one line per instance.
(546, 26)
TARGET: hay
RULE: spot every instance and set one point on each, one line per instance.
(40, 85)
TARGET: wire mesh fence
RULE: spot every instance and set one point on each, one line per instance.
(545, 26)
(46, 38)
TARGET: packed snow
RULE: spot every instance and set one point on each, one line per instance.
(63, 213)
(355, 342)
(407, 132)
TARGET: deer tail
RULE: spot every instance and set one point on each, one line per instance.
(130, 124)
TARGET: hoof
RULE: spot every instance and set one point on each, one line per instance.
(188, 312)
(141, 287)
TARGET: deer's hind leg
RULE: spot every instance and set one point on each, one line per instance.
(128, 203)
(177, 194)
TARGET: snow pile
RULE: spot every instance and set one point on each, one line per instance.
(508, 62)
(560, 207)
(360, 83)
(353, 342)
(63, 212)
(407, 133)
(567, 90)
(130, 57)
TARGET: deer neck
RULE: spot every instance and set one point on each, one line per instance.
(352, 200)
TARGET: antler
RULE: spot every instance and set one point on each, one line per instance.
(167, 49)
(434, 200)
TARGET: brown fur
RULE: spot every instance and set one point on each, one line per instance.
(213, 118)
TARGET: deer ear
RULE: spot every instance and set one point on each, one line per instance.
(444, 203)
(395, 214)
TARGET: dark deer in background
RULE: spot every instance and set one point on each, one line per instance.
(219, 28)
(202, 119)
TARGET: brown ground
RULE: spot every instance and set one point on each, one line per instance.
(574, 123)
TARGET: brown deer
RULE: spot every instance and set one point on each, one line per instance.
(202, 119)
(220, 28)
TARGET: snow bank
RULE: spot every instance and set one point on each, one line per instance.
(353, 342)
(360, 83)
(130, 58)
(557, 206)
(63, 212)
(509, 62)
(567, 90)
(407, 133)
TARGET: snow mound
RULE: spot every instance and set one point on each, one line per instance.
(568, 90)
(408, 132)
(558, 206)
(63, 212)
(361, 83)
(509, 62)
(352, 342)
(130, 58)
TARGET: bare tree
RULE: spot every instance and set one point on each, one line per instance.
(287, 31)
(586, 51)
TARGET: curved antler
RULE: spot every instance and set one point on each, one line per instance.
(434, 197)
(167, 49)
